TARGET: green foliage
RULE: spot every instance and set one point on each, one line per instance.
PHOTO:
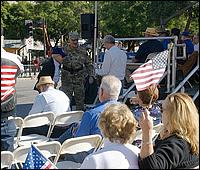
(119, 18)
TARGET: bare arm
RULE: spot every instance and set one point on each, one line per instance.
(146, 125)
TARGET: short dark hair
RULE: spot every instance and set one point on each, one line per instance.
(175, 31)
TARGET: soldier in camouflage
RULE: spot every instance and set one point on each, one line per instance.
(76, 65)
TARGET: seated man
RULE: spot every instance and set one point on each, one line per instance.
(150, 46)
(49, 99)
(108, 93)
(192, 60)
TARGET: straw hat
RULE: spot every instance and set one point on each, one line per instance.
(151, 31)
(45, 80)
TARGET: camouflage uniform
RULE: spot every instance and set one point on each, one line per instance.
(75, 65)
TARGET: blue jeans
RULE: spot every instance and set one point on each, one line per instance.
(68, 133)
(8, 132)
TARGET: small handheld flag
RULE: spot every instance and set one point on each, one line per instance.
(36, 160)
(150, 72)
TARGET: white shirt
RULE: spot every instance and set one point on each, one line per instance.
(51, 100)
(56, 76)
(114, 63)
(196, 47)
(113, 156)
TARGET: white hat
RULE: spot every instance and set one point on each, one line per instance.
(45, 80)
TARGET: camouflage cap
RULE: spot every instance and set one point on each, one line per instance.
(73, 35)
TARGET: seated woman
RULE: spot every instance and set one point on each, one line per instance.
(177, 146)
(147, 98)
(118, 126)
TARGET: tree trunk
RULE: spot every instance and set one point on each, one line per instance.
(187, 26)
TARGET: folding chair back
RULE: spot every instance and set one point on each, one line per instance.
(66, 118)
(7, 159)
(36, 120)
(19, 126)
(48, 149)
(76, 145)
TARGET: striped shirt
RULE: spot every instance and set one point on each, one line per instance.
(10, 69)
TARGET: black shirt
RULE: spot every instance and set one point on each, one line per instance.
(170, 153)
(146, 48)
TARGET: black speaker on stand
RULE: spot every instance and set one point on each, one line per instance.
(87, 26)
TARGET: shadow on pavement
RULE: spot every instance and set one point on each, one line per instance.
(22, 110)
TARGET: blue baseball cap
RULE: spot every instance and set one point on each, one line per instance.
(57, 50)
(185, 33)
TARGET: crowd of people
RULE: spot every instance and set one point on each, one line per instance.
(176, 146)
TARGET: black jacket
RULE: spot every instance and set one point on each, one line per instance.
(48, 69)
(170, 153)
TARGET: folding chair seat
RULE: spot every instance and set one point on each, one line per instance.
(76, 145)
(48, 149)
(66, 119)
(36, 120)
(7, 159)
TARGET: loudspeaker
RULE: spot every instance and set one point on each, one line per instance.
(87, 26)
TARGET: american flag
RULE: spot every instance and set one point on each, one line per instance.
(36, 160)
(8, 74)
(150, 72)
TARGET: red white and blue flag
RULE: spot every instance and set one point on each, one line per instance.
(150, 72)
(36, 160)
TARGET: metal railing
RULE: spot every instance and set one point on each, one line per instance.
(29, 70)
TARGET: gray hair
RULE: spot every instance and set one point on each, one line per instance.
(112, 85)
(109, 39)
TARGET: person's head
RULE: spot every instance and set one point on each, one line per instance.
(110, 88)
(163, 32)
(58, 54)
(196, 39)
(73, 39)
(118, 44)
(108, 41)
(185, 35)
(151, 32)
(44, 83)
(180, 117)
(148, 95)
(117, 123)
(175, 32)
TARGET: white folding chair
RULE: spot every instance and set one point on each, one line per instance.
(156, 130)
(7, 159)
(76, 145)
(67, 118)
(48, 149)
(36, 120)
(19, 126)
